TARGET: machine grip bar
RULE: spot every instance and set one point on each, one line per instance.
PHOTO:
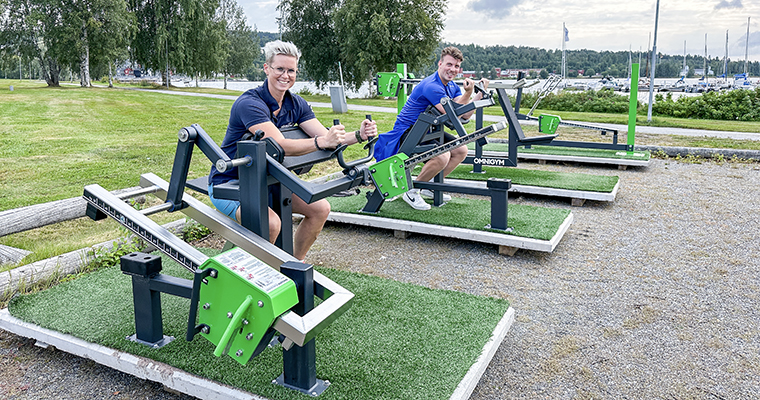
(237, 319)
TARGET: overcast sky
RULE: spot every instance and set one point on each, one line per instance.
(592, 24)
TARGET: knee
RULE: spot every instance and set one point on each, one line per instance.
(459, 154)
(275, 224)
(319, 210)
(439, 162)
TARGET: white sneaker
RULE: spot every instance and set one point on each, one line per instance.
(429, 194)
(413, 198)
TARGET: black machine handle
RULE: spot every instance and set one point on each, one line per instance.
(349, 165)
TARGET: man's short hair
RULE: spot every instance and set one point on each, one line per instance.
(276, 47)
(454, 52)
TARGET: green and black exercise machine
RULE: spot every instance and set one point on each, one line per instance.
(241, 298)
(397, 84)
(392, 176)
(548, 123)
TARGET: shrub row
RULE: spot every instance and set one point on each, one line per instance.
(601, 101)
(742, 105)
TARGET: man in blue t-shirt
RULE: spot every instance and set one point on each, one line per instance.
(270, 107)
(429, 93)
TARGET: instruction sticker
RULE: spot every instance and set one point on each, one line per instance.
(252, 269)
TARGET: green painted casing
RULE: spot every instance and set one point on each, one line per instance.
(632, 103)
(244, 289)
(548, 123)
(391, 176)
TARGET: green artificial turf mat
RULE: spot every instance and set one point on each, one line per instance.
(527, 221)
(569, 151)
(548, 179)
(397, 341)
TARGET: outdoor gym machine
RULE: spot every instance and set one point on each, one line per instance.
(251, 292)
(392, 176)
(554, 121)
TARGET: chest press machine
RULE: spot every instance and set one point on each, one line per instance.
(251, 292)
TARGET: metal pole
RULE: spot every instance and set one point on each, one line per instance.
(654, 58)
(746, 48)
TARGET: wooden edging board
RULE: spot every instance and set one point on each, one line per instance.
(499, 239)
(193, 385)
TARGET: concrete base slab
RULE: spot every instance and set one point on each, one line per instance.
(180, 381)
(499, 239)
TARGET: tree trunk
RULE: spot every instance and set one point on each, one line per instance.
(39, 215)
(110, 75)
(225, 81)
(84, 61)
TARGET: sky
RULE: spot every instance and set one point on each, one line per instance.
(614, 25)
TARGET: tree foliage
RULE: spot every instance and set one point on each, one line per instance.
(365, 36)
(27, 29)
(242, 43)
(182, 35)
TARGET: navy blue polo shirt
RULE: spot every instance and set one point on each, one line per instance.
(253, 107)
(427, 93)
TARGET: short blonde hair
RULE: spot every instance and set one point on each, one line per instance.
(452, 51)
(276, 47)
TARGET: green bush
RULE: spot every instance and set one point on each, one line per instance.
(741, 105)
(602, 101)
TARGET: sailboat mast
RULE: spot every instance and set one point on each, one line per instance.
(725, 59)
(705, 67)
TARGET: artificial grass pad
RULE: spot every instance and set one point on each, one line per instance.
(527, 221)
(569, 151)
(397, 341)
(548, 179)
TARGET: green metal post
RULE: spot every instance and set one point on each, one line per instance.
(632, 106)
(402, 94)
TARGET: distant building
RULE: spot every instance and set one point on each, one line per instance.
(701, 71)
(512, 73)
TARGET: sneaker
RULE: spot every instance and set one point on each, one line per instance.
(429, 194)
(413, 198)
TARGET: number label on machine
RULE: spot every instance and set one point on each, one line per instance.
(241, 302)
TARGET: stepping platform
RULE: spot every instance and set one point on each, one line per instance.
(534, 228)
(542, 154)
(577, 187)
(380, 349)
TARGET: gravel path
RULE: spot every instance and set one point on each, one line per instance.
(653, 296)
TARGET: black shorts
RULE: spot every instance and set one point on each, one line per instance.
(447, 137)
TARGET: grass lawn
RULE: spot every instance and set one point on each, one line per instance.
(54, 141)
(397, 341)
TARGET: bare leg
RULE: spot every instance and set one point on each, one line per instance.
(274, 224)
(433, 167)
(315, 215)
(457, 156)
